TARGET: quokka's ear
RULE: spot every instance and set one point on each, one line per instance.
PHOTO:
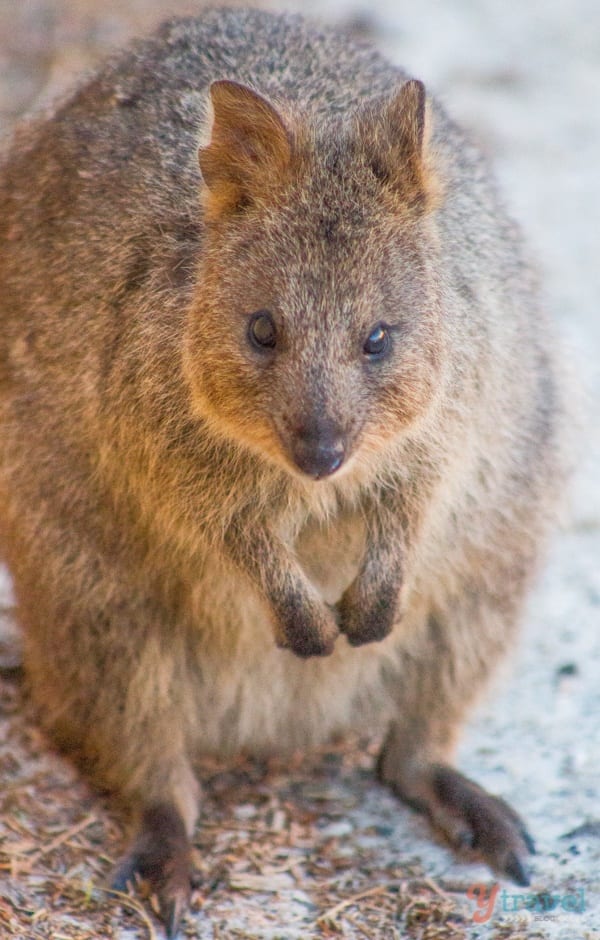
(249, 150)
(397, 129)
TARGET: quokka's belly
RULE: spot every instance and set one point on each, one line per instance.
(248, 695)
(263, 700)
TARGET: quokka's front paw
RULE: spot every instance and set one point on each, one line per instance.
(307, 631)
(368, 612)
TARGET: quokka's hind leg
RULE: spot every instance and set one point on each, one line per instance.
(109, 675)
(435, 687)
(468, 816)
(159, 852)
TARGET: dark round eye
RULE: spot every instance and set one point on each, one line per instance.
(377, 343)
(261, 330)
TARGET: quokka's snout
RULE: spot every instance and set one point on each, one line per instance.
(318, 447)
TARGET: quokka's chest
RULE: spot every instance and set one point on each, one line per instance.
(331, 553)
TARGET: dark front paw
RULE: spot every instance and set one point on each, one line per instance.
(368, 614)
(307, 631)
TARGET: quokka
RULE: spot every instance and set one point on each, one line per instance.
(280, 423)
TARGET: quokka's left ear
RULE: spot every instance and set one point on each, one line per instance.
(395, 132)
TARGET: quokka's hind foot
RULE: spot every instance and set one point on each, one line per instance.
(471, 819)
(160, 856)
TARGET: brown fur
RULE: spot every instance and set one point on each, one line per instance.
(163, 540)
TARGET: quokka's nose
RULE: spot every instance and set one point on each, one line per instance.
(319, 451)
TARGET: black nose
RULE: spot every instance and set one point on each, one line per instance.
(319, 450)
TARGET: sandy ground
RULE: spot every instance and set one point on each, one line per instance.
(317, 849)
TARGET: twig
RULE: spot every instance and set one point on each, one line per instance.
(28, 863)
(128, 901)
(332, 913)
(357, 926)
(437, 890)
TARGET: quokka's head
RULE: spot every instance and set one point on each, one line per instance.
(314, 336)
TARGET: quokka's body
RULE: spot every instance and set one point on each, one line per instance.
(272, 369)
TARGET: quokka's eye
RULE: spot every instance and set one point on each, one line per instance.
(378, 342)
(261, 330)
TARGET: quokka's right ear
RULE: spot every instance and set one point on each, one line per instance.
(249, 150)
